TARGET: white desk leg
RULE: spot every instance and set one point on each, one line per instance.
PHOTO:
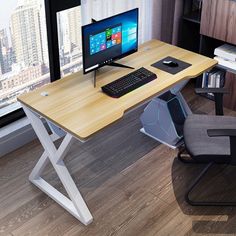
(76, 204)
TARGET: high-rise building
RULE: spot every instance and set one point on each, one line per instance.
(63, 26)
(69, 30)
(0, 66)
(4, 38)
(26, 33)
(63, 37)
(5, 52)
(43, 30)
(74, 22)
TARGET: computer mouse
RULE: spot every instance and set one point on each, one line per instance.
(170, 63)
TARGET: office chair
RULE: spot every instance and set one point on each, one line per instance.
(209, 139)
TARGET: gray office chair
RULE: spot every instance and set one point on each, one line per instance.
(209, 139)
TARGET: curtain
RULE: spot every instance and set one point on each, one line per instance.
(157, 18)
(166, 20)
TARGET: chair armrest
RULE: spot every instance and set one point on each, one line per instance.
(231, 133)
(218, 95)
(212, 90)
(221, 132)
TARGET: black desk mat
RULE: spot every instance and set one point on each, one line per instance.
(172, 70)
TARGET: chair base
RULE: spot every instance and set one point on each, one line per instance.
(201, 203)
(182, 154)
(185, 161)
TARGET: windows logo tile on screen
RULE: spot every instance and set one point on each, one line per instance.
(106, 39)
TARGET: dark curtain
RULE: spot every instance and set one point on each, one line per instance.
(167, 20)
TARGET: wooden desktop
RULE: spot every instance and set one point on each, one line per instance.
(81, 110)
(75, 106)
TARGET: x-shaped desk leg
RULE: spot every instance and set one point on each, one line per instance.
(76, 204)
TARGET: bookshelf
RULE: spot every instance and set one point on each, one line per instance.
(191, 21)
(203, 31)
(194, 17)
(192, 37)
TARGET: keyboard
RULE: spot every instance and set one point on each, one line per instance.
(129, 82)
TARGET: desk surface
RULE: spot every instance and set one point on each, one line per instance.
(82, 110)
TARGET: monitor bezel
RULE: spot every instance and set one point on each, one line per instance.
(114, 58)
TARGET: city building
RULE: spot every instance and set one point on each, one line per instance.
(63, 37)
(6, 53)
(21, 76)
(69, 35)
(74, 23)
(26, 33)
(4, 38)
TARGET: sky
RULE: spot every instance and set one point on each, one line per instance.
(5, 12)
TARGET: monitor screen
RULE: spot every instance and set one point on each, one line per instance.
(109, 39)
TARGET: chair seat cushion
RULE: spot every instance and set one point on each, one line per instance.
(202, 147)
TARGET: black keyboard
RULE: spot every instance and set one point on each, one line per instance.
(129, 82)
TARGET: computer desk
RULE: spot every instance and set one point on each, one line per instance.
(81, 110)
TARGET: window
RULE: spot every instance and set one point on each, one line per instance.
(24, 63)
(69, 39)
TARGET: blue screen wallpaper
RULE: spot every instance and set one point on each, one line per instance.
(105, 39)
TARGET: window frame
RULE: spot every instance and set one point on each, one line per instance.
(52, 7)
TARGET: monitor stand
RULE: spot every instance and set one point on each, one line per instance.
(119, 65)
(110, 64)
(94, 78)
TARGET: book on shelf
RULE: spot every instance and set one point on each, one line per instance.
(205, 79)
(213, 79)
(217, 83)
(226, 63)
(226, 51)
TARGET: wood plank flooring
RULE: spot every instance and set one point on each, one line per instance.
(132, 185)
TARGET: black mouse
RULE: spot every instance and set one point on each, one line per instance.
(170, 63)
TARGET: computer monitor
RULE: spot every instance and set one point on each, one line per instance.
(109, 39)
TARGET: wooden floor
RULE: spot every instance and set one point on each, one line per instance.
(132, 185)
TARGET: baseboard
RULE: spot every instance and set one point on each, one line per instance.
(15, 135)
